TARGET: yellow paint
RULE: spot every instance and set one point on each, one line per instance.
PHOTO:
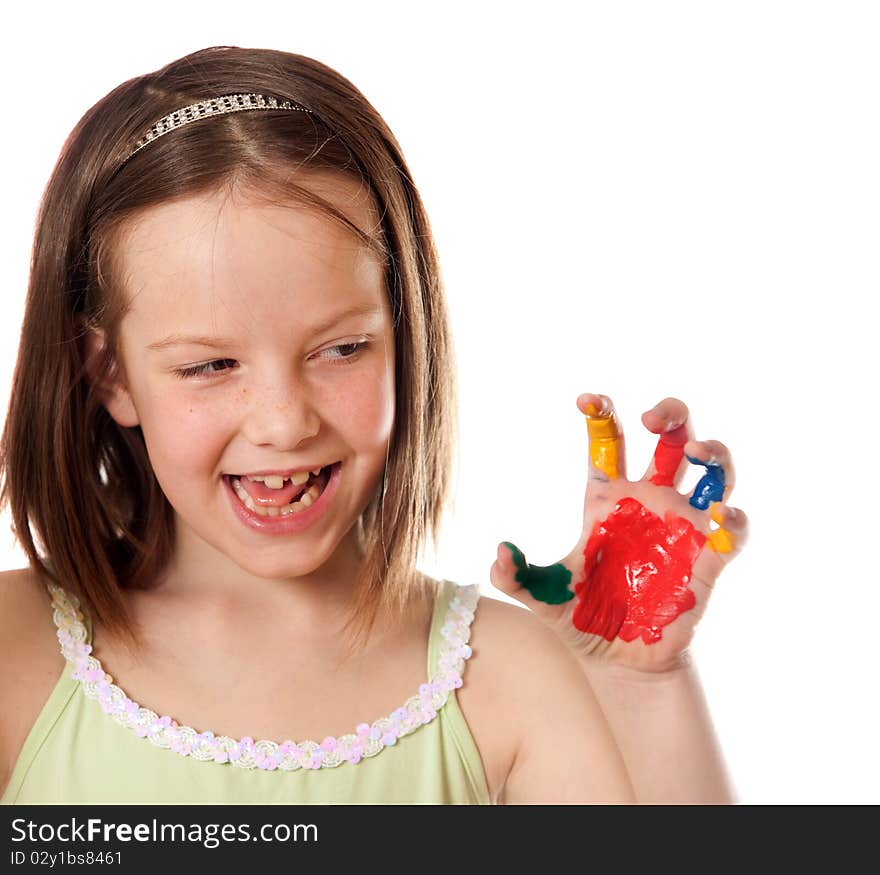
(720, 541)
(604, 441)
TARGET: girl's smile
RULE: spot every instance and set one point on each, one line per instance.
(276, 518)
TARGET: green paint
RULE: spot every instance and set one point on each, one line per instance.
(546, 583)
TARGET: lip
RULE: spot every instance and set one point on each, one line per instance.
(285, 525)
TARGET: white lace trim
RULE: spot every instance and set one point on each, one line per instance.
(366, 741)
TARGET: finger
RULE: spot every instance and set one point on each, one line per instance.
(717, 483)
(722, 545)
(511, 574)
(671, 420)
(546, 591)
(732, 531)
(713, 452)
(605, 434)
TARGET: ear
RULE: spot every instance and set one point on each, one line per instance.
(112, 391)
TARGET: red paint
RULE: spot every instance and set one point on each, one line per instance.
(636, 572)
(668, 455)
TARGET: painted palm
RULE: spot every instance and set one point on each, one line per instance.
(636, 583)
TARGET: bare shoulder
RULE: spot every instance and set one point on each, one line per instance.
(510, 646)
(31, 656)
(535, 709)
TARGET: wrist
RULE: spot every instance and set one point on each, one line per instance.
(595, 667)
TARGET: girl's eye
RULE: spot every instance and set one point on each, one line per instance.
(202, 370)
(348, 354)
(354, 348)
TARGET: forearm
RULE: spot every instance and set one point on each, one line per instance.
(664, 731)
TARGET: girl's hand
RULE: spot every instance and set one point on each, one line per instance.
(635, 585)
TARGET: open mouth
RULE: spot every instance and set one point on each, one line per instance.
(289, 499)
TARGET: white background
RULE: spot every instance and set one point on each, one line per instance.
(639, 199)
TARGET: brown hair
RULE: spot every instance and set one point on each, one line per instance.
(82, 484)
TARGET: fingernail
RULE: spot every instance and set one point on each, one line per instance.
(515, 554)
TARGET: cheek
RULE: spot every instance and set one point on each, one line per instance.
(364, 410)
(189, 441)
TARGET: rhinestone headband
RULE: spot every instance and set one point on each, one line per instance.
(206, 108)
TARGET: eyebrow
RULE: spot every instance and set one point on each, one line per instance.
(225, 343)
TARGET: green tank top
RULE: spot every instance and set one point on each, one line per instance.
(79, 752)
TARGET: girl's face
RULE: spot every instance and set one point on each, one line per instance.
(259, 340)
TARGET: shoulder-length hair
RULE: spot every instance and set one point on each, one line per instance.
(85, 503)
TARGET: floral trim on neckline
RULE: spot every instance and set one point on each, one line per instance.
(366, 741)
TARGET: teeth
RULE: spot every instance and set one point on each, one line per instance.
(273, 481)
(305, 500)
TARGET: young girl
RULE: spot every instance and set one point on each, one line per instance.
(230, 431)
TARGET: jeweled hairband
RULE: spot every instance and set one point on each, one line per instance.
(206, 108)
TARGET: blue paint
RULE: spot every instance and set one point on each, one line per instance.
(711, 485)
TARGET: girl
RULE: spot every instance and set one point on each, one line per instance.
(230, 430)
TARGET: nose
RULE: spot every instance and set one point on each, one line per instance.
(280, 413)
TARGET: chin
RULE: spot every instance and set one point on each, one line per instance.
(284, 567)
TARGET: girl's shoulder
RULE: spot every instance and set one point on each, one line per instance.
(30, 656)
(517, 648)
(515, 656)
(534, 715)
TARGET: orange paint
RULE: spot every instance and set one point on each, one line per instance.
(721, 540)
(605, 440)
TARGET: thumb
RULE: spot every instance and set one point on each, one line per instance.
(503, 570)
(512, 575)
